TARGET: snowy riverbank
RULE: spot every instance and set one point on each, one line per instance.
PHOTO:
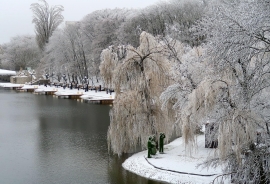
(60, 91)
(183, 168)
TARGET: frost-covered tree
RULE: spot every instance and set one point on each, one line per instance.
(172, 18)
(1, 56)
(187, 72)
(57, 56)
(111, 58)
(46, 20)
(21, 52)
(181, 15)
(240, 46)
(99, 30)
(78, 48)
(68, 53)
(153, 20)
(233, 95)
(129, 31)
(138, 83)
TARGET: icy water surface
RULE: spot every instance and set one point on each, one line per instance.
(45, 140)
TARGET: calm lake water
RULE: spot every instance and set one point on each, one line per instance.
(44, 139)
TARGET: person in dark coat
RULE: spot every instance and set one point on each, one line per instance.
(149, 146)
(161, 142)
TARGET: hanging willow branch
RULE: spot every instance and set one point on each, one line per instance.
(138, 83)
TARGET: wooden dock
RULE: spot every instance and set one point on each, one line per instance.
(47, 92)
(70, 96)
(17, 88)
(14, 87)
(28, 88)
(99, 101)
(79, 95)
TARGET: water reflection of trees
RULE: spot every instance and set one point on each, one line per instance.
(118, 175)
(75, 134)
(71, 134)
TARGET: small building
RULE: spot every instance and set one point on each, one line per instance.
(20, 79)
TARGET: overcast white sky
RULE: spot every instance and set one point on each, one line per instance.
(16, 16)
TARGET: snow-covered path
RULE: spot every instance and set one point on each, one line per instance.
(174, 159)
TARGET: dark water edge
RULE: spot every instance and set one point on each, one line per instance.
(44, 139)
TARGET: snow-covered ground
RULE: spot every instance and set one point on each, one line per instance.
(183, 168)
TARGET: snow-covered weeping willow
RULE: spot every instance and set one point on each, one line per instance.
(188, 73)
(138, 82)
(235, 95)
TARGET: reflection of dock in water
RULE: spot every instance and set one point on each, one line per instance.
(70, 96)
(99, 101)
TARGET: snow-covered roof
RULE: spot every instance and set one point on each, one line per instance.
(10, 85)
(7, 72)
